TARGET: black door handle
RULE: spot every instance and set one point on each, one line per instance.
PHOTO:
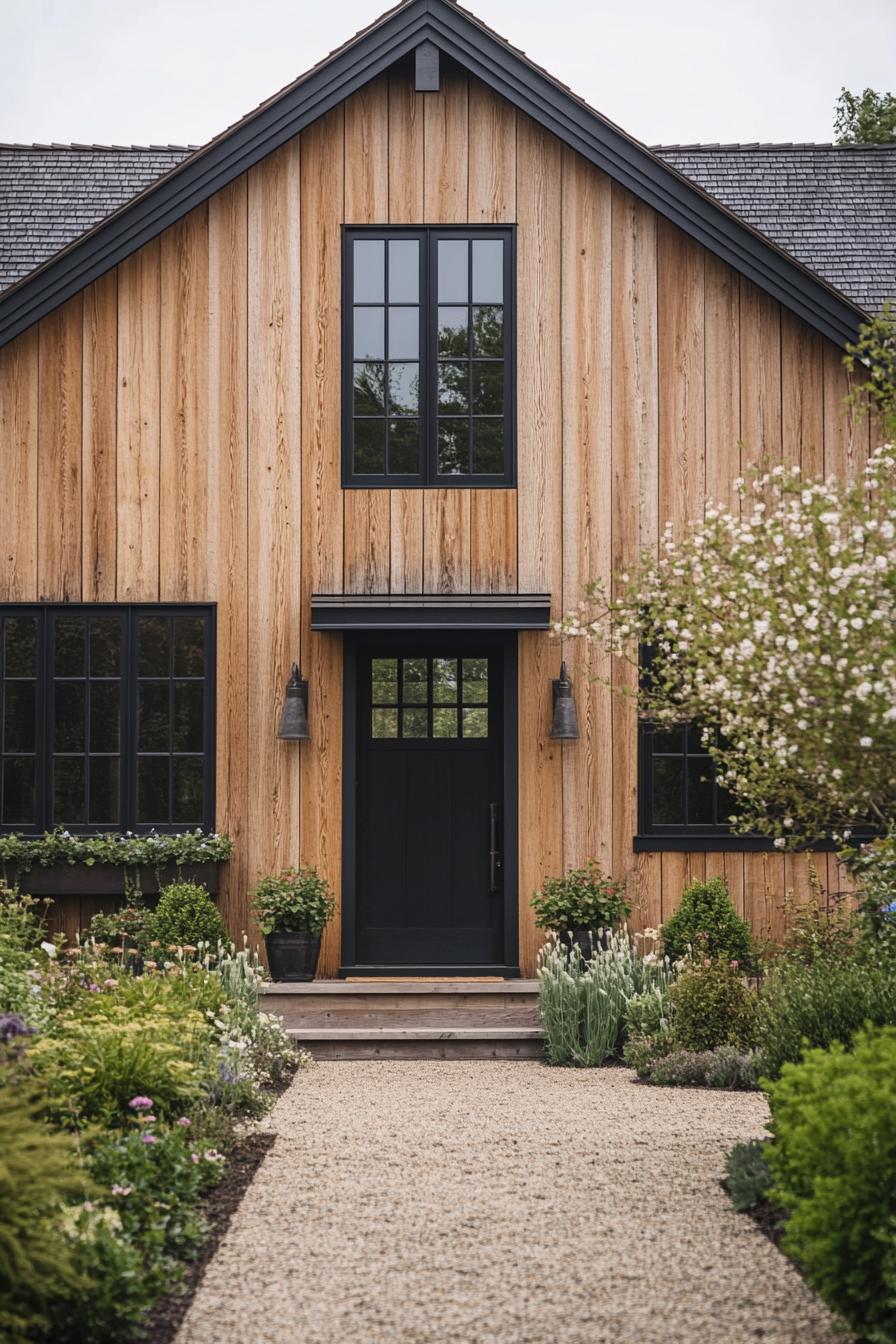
(494, 854)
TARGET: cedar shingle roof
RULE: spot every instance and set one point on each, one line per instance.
(50, 194)
(833, 207)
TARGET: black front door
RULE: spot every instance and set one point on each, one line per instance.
(429, 865)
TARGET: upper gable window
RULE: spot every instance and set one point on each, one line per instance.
(428, 357)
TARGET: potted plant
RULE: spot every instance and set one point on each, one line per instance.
(292, 908)
(585, 902)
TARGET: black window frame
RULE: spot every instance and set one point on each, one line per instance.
(428, 477)
(128, 614)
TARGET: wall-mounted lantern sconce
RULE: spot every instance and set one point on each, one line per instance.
(565, 723)
(294, 716)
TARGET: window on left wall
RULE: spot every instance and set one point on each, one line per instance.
(107, 718)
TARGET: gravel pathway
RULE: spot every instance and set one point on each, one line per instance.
(498, 1203)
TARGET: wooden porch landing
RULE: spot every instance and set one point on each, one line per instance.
(411, 1019)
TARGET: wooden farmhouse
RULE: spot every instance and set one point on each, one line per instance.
(372, 384)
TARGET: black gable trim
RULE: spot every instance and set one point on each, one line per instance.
(461, 36)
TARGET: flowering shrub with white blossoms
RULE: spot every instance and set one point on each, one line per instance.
(775, 625)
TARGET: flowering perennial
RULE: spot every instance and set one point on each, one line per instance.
(774, 624)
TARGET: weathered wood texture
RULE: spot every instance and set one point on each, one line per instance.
(172, 433)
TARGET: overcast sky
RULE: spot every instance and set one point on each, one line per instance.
(179, 71)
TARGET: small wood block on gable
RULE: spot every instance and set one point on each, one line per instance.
(426, 63)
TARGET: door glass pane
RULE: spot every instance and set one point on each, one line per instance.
(18, 716)
(69, 716)
(454, 447)
(488, 331)
(404, 270)
(452, 266)
(68, 791)
(152, 646)
(152, 790)
(370, 270)
(104, 715)
(384, 722)
(152, 716)
(370, 340)
(488, 446)
(188, 801)
(385, 681)
(488, 388)
(668, 791)
(488, 270)
(70, 641)
(369, 396)
(403, 388)
(414, 681)
(20, 646)
(453, 389)
(404, 333)
(444, 680)
(370, 446)
(444, 723)
(414, 723)
(475, 722)
(105, 646)
(475, 671)
(189, 646)
(404, 447)
(453, 340)
(188, 715)
(18, 791)
(104, 791)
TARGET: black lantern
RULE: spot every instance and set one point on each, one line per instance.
(294, 717)
(565, 723)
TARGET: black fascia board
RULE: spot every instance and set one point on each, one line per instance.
(460, 36)
(429, 617)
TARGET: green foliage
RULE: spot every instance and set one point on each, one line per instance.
(39, 1173)
(185, 916)
(747, 1176)
(872, 361)
(586, 898)
(725, 1067)
(833, 1162)
(125, 932)
(707, 924)
(873, 868)
(825, 1001)
(20, 933)
(583, 1003)
(711, 1006)
(95, 1062)
(124, 851)
(294, 900)
(866, 118)
(121, 1283)
(639, 1052)
(648, 1014)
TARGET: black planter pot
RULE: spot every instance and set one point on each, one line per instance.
(586, 940)
(292, 956)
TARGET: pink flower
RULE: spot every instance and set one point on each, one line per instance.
(122, 1189)
(110, 983)
(706, 961)
(94, 989)
(194, 1158)
(735, 965)
(147, 1138)
(184, 1121)
(140, 1103)
(147, 1119)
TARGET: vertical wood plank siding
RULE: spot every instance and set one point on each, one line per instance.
(172, 433)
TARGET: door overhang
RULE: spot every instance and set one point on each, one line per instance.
(430, 611)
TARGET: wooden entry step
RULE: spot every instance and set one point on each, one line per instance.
(440, 1019)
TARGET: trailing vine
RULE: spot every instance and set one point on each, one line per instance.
(20, 852)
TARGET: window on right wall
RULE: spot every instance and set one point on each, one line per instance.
(678, 794)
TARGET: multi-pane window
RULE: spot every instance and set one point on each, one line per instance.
(420, 697)
(678, 792)
(428, 356)
(107, 718)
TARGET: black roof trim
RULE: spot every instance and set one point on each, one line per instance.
(462, 36)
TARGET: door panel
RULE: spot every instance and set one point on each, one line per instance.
(430, 766)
